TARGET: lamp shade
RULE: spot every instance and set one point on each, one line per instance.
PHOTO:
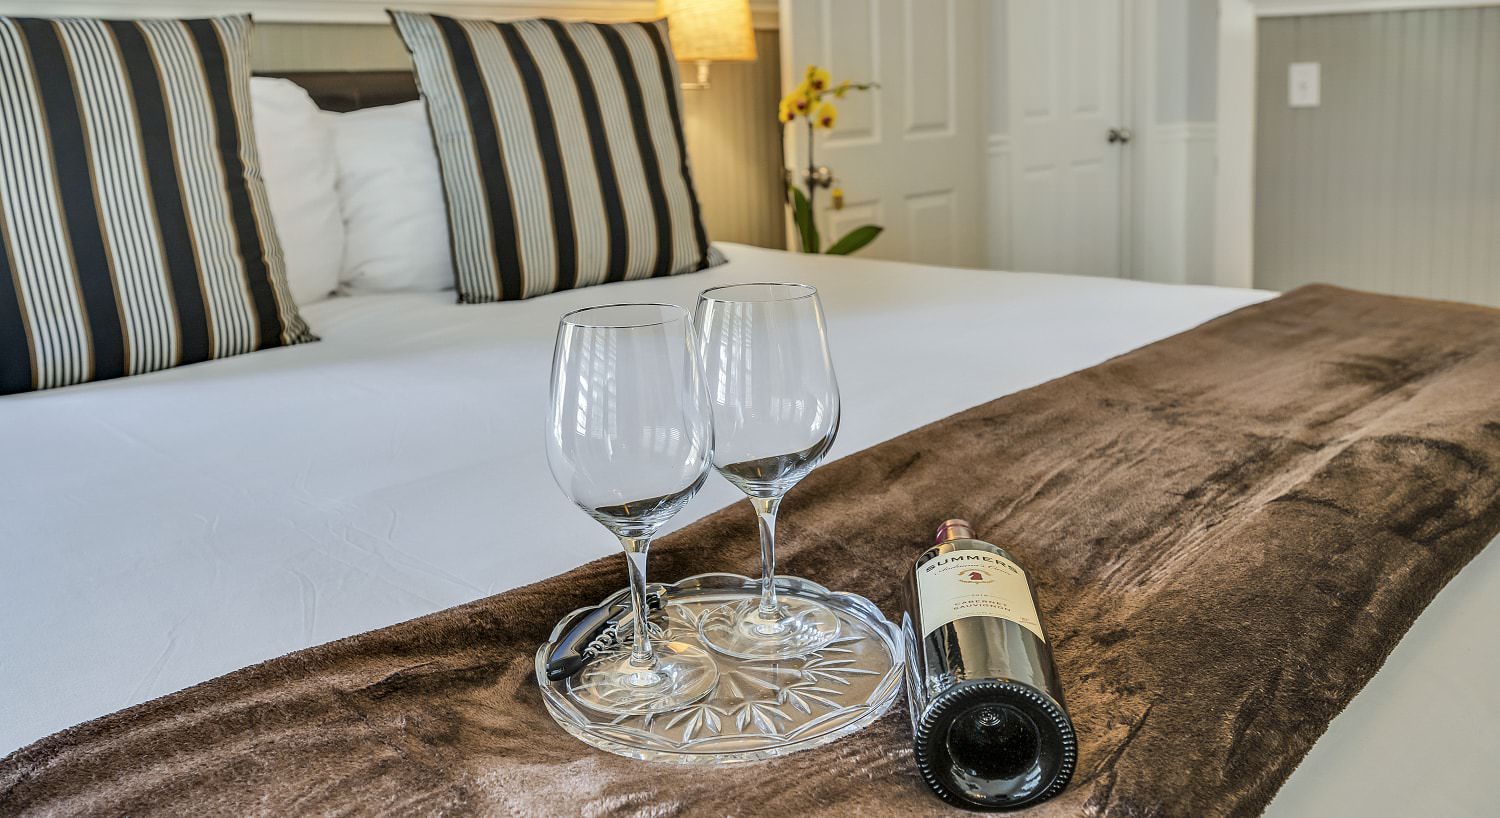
(718, 30)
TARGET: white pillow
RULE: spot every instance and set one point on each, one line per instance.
(295, 141)
(395, 219)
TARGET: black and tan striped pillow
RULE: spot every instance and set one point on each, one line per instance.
(135, 230)
(562, 152)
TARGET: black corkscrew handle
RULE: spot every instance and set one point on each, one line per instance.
(575, 649)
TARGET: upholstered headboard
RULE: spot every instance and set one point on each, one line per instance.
(352, 90)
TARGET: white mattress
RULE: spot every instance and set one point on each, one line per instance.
(162, 530)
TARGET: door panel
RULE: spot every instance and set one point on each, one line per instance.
(930, 219)
(931, 76)
(908, 154)
(852, 53)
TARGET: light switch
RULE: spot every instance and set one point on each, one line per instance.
(1304, 80)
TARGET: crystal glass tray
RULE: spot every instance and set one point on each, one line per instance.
(761, 708)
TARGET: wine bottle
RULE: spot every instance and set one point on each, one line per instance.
(990, 727)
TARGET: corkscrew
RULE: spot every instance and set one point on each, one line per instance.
(594, 633)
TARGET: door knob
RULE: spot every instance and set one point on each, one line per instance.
(1120, 135)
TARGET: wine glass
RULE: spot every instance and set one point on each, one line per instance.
(629, 439)
(775, 402)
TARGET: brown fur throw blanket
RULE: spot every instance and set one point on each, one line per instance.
(1230, 530)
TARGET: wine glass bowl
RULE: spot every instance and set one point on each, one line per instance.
(775, 400)
(630, 441)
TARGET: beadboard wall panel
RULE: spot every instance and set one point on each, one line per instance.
(327, 47)
(733, 138)
(734, 141)
(1393, 183)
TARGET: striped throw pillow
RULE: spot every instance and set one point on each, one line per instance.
(134, 229)
(561, 150)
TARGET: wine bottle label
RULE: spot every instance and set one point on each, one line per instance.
(974, 583)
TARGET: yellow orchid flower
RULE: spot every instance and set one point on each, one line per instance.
(801, 101)
(784, 111)
(817, 79)
(826, 116)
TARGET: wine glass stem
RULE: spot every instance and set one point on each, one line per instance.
(765, 512)
(641, 654)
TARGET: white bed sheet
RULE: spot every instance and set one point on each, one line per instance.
(162, 530)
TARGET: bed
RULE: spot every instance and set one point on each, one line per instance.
(160, 530)
(323, 490)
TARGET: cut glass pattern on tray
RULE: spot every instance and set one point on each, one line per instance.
(761, 708)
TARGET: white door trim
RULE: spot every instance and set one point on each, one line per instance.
(1234, 179)
(1234, 196)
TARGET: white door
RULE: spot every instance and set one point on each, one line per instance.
(908, 154)
(1066, 84)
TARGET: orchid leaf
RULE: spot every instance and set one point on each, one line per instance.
(802, 215)
(855, 239)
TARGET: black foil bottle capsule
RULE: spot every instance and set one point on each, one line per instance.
(990, 727)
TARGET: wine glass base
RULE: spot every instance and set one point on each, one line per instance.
(612, 683)
(739, 629)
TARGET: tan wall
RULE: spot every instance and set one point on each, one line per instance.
(732, 135)
(1393, 183)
